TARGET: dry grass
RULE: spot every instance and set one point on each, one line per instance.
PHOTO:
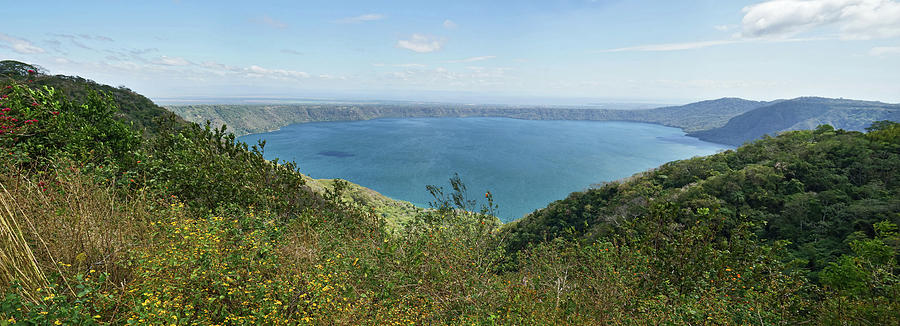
(68, 224)
(17, 261)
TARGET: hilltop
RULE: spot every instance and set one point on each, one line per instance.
(134, 108)
(104, 223)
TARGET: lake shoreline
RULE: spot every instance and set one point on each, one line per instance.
(398, 157)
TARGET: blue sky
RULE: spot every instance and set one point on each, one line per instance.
(607, 50)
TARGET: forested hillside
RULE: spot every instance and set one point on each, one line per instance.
(799, 114)
(134, 108)
(102, 223)
(818, 189)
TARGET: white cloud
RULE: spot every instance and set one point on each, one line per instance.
(855, 19)
(401, 65)
(95, 37)
(715, 84)
(672, 46)
(449, 24)
(362, 18)
(441, 76)
(289, 51)
(271, 22)
(90, 37)
(331, 77)
(19, 45)
(724, 28)
(253, 71)
(782, 20)
(473, 59)
(173, 61)
(421, 43)
(276, 73)
(884, 51)
(704, 44)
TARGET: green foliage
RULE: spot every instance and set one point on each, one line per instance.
(40, 126)
(865, 285)
(16, 69)
(211, 271)
(133, 108)
(56, 308)
(884, 131)
(207, 168)
(793, 229)
(812, 188)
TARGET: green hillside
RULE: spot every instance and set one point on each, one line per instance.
(103, 223)
(817, 189)
(134, 108)
(798, 114)
(698, 116)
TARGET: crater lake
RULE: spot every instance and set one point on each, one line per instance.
(525, 164)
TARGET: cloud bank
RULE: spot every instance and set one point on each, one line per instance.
(854, 19)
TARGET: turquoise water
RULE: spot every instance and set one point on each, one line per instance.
(526, 164)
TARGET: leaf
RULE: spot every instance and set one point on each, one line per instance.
(80, 258)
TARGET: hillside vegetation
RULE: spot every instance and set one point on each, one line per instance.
(136, 110)
(104, 224)
(819, 190)
(799, 114)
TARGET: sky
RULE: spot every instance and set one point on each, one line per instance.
(461, 51)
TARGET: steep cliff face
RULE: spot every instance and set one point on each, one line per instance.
(244, 119)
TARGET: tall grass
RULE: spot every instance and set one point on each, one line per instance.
(18, 264)
(65, 223)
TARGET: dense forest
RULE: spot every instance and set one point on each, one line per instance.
(111, 218)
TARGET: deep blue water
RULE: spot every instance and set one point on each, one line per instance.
(526, 164)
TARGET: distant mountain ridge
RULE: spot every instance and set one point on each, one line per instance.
(799, 114)
(246, 119)
(729, 120)
(701, 115)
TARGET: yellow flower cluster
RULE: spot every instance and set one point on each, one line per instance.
(210, 271)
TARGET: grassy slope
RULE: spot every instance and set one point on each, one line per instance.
(395, 212)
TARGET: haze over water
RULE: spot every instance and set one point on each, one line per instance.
(526, 164)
